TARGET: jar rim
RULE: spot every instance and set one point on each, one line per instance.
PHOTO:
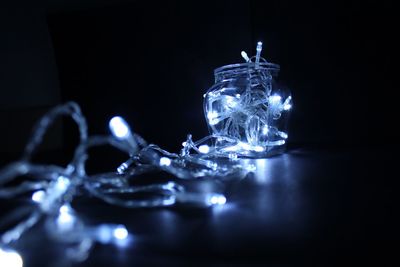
(240, 67)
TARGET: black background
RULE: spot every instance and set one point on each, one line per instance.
(151, 62)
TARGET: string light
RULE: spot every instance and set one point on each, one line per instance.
(244, 109)
(243, 123)
(56, 187)
(275, 99)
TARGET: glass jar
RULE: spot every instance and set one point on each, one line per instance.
(246, 111)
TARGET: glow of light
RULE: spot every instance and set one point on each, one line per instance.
(164, 161)
(217, 199)
(104, 234)
(245, 146)
(258, 49)
(265, 130)
(283, 135)
(120, 232)
(62, 183)
(280, 142)
(122, 168)
(169, 186)
(212, 117)
(287, 106)
(258, 148)
(204, 149)
(242, 145)
(231, 102)
(10, 258)
(38, 196)
(259, 46)
(65, 219)
(119, 128)
(169, 201)
(245, 56)
(65, 209)
(275, 99)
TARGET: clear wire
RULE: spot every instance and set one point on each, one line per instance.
(53, 188)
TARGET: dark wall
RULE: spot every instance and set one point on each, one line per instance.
(151, 63)
(338, 59)
(28, 77)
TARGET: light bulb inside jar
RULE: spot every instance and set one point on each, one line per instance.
(245, 107)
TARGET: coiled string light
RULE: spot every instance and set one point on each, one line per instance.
(243, 112)
(54, 187)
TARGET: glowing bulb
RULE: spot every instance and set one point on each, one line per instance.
(120, 232)
(244, 55)
(62, 183)
(164, 161)
(65, 219)
(122, 168)
(65, 209)
(275, 99)
(245, 146)
(54, 192)
(38, 196)
(212, 117)
(265, 130)
(258, 49)
(258, 148)
(204, 149)
(217, 199)
(231, 101)
(259, 46)
(169, 186)
(119, 128)
(10, 258)
(283, 135)
(287, 106)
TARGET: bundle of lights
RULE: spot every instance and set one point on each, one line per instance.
(246, 114)
(236, 122)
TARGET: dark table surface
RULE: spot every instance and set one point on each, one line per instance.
(305, 207)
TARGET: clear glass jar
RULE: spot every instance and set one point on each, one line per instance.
(246, 111)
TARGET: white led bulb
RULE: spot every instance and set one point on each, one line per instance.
(119, 128)
(10, 258)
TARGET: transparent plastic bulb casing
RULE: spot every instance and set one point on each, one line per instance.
(246, 105)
